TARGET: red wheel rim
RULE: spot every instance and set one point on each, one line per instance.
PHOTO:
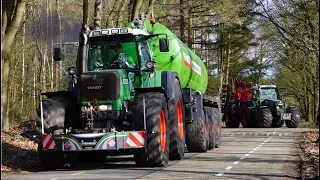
(162, 131)
(180, 119)
(212, 128)
(206, 130)
(218, 128)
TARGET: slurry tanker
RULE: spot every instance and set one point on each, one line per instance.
(135, 90)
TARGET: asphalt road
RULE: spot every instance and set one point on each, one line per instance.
(245, 153)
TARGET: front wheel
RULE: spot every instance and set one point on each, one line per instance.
(156, 151)
(265, 118)
(295, 117)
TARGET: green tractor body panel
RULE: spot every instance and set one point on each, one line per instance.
(271, 103)
(124, 91)
(190, 68)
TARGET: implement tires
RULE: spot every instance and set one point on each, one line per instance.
(197, 136)
(217, 119)
(265, 118)
(295, 117)
(177, 124)
(211, 126)
(156, 152)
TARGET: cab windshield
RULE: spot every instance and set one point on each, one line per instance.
(269, 93)
(112, 53)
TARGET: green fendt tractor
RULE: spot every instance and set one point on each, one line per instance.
(136, 89)
(258, 106)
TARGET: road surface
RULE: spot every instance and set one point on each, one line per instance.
(245, 153)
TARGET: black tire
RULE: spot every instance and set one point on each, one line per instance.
(153, 155)
(265, 118)
(277, 122)
(177, 124)
(218, 122)
(55, 110)
(93, 156)
(230, 119)
(197, 136)
(211, 125)
(244, 115)
(56, 159)
(295, 117)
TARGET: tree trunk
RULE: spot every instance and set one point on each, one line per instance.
(85, 17)
(97, 14)
(115, 10)
(12, 27)
(228, 60)
(136, 8)
(150, 8)
(182, 20)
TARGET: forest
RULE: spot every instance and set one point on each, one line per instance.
(261, 41)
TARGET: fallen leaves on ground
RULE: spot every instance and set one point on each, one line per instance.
(309, 155)
(19, 154)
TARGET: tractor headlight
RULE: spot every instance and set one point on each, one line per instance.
(280, 104)
(151, 64)
(106, 107)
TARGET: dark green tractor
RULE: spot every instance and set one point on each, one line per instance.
(260, 106)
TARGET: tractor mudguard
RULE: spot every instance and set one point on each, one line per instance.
(168, 82)
(151, 89)
(58, 93)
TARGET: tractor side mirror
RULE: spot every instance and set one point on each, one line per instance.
(57, 54)
(164, 45)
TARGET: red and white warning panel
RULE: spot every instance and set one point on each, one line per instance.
(136, 139)
(48, 142)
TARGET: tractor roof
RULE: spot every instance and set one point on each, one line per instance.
(117, 31)
(268, 86)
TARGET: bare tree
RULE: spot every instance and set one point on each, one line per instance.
(97, 14)
(12, 16)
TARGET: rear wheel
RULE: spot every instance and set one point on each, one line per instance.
(177, 124)
(211, 124)
(197, 136)
(265, 118)
(156, 151)
(295, 117)
(217, 118)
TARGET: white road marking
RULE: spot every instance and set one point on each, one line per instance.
(246, 154)
(268, 134)
(256, 134)
(242, 158)
(220, 174)
(77, 173)
(54, 179)
(229, 167)
(244, 134)
(254, 149)
(280, 134)
(286, 134)
(232, 134)
(237, 162)
(260, 145)
(251, 152)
